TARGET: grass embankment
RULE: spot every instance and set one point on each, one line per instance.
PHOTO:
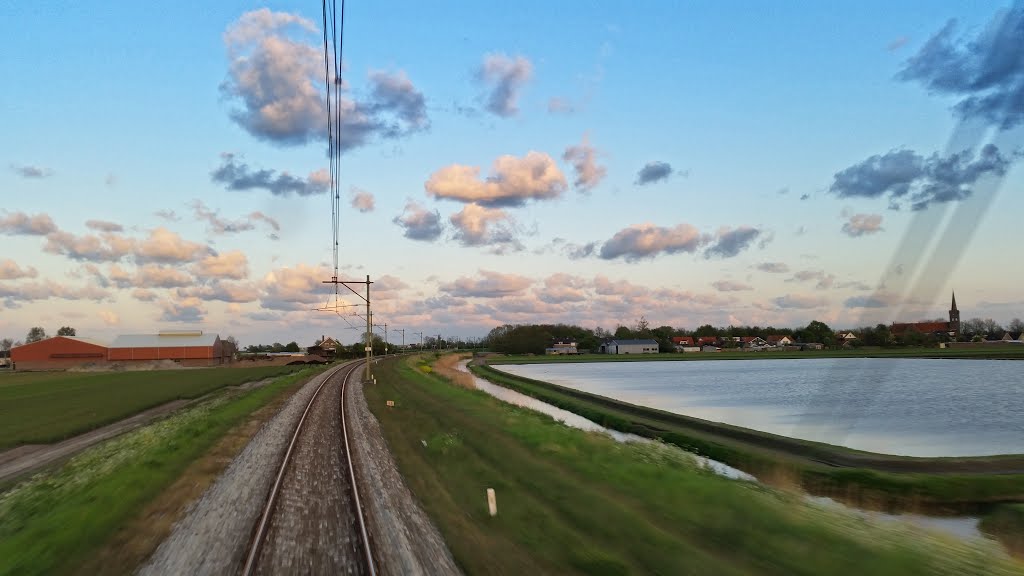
(53, 522)
(860, 478)
(1007, 352)
(1006, 523)
(571, 502)
(44, 407)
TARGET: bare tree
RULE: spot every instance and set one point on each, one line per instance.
(992, 327)
(35, 334)
(6, 344)
(641, 326)
(1016, 325)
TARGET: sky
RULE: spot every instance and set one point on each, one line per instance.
(502, 163)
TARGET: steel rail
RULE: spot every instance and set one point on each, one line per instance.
(355, 485)
(261, 529)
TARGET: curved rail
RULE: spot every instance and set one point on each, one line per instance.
(261, 529)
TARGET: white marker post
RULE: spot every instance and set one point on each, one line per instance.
(492, 502)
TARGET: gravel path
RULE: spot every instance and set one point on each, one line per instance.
(23, 460)
(405, 541)
(213, 536)
(313, 529)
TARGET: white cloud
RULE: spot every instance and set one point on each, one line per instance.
(233, 265)
(479, 226)
(730, 286)
(489, 284)
(10, 270)
(583, 158)
(505, 77)
(862, 225)
(363, 200)
(640, 241)
(512, 182)
(19, 223)
(419, 223)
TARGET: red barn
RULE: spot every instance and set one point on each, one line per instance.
(190, 348)
(58, 353)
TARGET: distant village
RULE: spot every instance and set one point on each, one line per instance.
(643, 339)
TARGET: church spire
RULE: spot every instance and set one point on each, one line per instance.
(954, 318)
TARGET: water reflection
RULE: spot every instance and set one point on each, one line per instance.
(910, 407)
(577, 421)
(963, 527)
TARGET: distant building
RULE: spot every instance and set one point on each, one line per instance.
(951, 328)
(683, 341)
(186, 347)
(646, 346)
(58, 353)
(779, 340)
(561, 347)
(685, 344)
(326, 348)
(753, 341)
(189, 348)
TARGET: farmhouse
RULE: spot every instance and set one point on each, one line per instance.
(58, 353)
(189, 348)
(685, 344)
(779, 340)
(560, 347)
(647, 346)
(326, 348)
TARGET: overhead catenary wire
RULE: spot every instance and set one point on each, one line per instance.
(334, 34)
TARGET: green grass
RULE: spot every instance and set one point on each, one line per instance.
(49, 523)
(44, 407)
(1007, 352)
(860, 478)
(1006, 523)
(571, 502)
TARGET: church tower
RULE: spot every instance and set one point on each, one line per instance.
(954, 317)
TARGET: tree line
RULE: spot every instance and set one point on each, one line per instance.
(35, 334)
(535, 338)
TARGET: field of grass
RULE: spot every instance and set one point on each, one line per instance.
(1006, 523)
(44, 407)
(51, 522)
(1008, 352)
(859, 478)
(571, 502)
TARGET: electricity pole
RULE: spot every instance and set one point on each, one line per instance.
(369, 329)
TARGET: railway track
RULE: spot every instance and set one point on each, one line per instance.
(313, 520)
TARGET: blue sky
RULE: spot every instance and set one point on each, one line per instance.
(720, 163)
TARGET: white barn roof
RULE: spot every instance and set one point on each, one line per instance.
(164, 340)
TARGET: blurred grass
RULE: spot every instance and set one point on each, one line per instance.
(49, 523)
(1006, 523)
(571, 502)
(44, 407)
